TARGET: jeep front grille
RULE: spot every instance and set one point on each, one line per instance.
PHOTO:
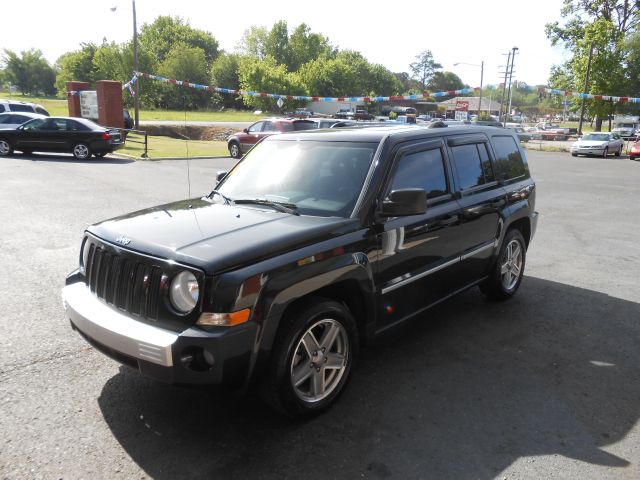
(126, 283)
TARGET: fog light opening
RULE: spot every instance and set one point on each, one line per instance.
(197, 359)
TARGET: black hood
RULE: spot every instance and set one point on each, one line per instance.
(215, 236)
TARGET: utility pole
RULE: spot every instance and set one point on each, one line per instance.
(136, 99)
(586, 87)
(480, 101)
(504, 86)
(513, 58)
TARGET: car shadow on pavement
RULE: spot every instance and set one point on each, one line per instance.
(461, 392)
(62, 158)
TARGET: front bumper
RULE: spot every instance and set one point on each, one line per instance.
(588, 151)
(173, 357)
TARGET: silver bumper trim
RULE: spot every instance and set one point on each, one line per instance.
(116, 330)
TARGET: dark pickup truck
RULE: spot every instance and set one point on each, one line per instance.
(310, 247)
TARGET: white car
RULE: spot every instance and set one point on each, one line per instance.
(598, 143)
(12, 120)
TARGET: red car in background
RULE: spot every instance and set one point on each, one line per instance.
(239, 143)
(634, 149)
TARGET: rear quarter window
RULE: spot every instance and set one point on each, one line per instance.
(510, 164)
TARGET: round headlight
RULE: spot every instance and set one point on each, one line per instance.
(184, 292)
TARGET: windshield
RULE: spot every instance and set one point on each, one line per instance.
(319, 178)
(599, 137)
(625, 125)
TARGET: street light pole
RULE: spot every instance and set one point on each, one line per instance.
(480, 100)
(586, 86)
(136, 99)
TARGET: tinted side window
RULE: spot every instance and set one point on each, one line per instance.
(473, 165)
(256, 127)
(509, 162)
(16, 107)
(269, 127)
(2, 109)
(421, 170)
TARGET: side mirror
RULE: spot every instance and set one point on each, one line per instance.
(220, 175)
(405, 202)
(245, 130)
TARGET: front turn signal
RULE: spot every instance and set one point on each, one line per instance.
(209, 319)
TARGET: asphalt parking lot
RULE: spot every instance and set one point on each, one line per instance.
(546, 385)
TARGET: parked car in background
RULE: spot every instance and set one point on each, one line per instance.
(634, 149)
(598, 143)
(13, 120)
(18, 106)
(362, 115)
(302, 113)
(550, 131)
(78, 136)
(332, 122)
(239, 143)
(522, 135)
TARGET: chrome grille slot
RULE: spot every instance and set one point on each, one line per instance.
(130, 285)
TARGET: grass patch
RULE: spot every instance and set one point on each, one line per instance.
(58, 107)
(162, 147)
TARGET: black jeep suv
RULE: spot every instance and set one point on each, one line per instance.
(309, 247)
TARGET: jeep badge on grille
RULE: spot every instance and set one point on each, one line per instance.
(122, 240)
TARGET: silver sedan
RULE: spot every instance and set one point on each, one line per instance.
(598, 143)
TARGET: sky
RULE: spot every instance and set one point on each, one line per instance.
(386, 33)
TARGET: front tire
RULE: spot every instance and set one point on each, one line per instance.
(81, 151)
(619, 152)
(605, 153)
(311, 359)
(5, 148)
(234, 150)
(506, 275)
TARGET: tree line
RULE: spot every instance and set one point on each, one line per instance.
(274, 60)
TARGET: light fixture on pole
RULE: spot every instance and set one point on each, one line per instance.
(481, 79)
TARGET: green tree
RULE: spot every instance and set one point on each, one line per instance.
(224, 73)
(424, 68)
(277, 43)
(330, 77)
(305, 46)
(268, 76)
(603, 26)
(29, 71)
(253, 42)
(160, 37)
(408, 84)
(76, 66)
(184, 62)
(442, 81)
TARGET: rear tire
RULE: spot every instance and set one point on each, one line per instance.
(574, 154)
(311, 359)
(234, 150)
(506, 275)
(81, 151)
(5, 148)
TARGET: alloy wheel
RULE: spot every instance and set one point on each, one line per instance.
(81, 151)
(5, 148)
(320, 360)
(511, 265)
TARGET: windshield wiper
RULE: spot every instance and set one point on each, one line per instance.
(226, 199)
(280, 206)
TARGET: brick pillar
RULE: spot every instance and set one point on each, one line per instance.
(73, 101)
(110, 103)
